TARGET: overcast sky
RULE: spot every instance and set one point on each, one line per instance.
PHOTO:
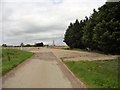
(31, 21)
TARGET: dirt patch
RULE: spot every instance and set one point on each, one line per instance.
(71, 55)
(58, 47)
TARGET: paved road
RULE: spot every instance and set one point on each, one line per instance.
(43, 70)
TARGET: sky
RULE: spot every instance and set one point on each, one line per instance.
(31, 21)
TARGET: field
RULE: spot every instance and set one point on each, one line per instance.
(12, 57)
(96, 74)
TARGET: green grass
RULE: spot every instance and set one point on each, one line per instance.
(12, 57)
(96, 74)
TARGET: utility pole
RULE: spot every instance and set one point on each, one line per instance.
(53, 43)
(21, 45)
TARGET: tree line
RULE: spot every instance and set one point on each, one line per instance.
(101, 31)
(27, 45)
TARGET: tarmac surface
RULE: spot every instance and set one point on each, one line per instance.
(42, 70)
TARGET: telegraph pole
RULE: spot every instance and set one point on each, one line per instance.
(21, 45)
(53, 43)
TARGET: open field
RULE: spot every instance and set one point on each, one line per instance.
(12, 57)
(96, 74)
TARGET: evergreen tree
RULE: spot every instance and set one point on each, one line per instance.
(101, 31)
(88, 30)
(74, 34)
(107, 36)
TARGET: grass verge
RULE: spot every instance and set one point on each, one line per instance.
(12, 57)
(96, 74)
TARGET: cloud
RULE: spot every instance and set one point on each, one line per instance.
(31, 21)
(113, 0)
(57, 1)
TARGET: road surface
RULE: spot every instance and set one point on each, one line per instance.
(42, 70)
